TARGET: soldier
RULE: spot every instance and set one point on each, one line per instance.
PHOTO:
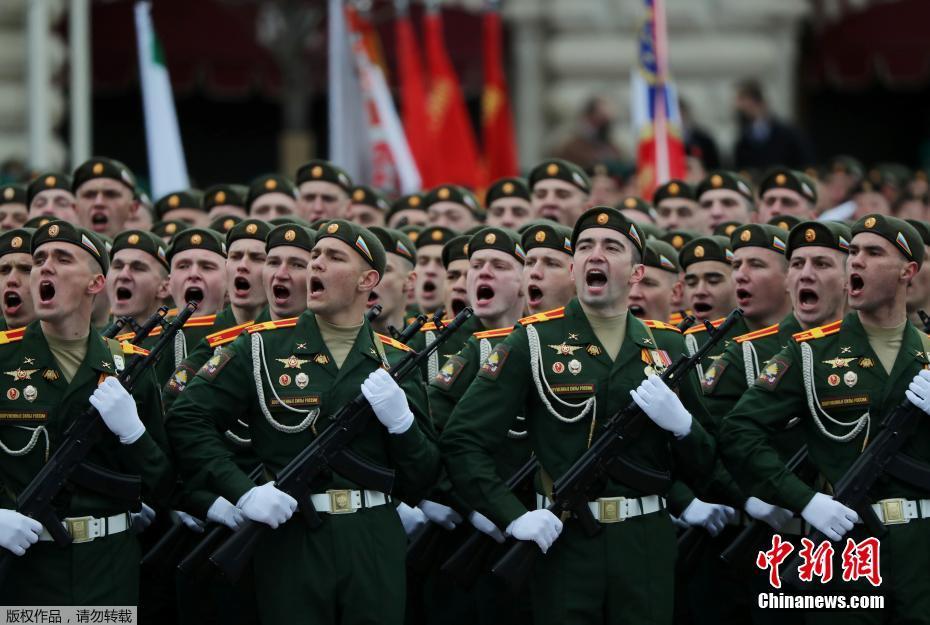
(918, 291)
(398, 279)
(13, 211)
(547, 273)
(677, 208)
(651, 297)
(271, 196)
(104, 190)
(637, 210)
(49, 194)
(368, 207)
(587, 358)
(841, 377)
(455, 260)
(560, 191)
(453, 207)
(186, 206)
(407, 210)
(725, 196)
(508, 202)
(319, 360)
(785, 222)
(60, 361)
(785, 191)
(430, 279)
(165, 230)
(137, 282)
(709, 290)
(225, 200)
(759, 271)
(322, 191)
(245, 261)
(15, 269)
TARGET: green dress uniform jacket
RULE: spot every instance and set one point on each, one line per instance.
(39, 406)
(451, 347)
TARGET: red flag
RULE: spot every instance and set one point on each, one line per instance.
(450, 130)
(500, 150)
(413, 98)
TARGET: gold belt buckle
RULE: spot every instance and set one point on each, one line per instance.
(608, 509)
(79, 528)
(340, 501)
(893, 511)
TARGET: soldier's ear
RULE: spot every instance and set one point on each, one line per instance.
(368, 280)
(909, 271)
(639, 270)
(97, 284)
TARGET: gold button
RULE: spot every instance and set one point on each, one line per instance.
(490, 238)
(290, 235)
(540, 236)
(699, 251)
(810, 235)
(196, 239)
(133, 239)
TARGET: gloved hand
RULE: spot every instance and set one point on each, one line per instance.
(18, 532)
(266, 504)
(190, 522)
(540, 526)
(678, 522)
(829, 516)
(485, 525)
(141, 519)
(118, 409)
(661, 404)
(388, 401)
(774, 516)
(918, 392)
(411, 518)
(221, 511)
(440, 514)
(711, 516)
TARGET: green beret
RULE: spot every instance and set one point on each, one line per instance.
(632, 202)
(363, 194)
(434, 235)
(248, 229)
(455, 249)
(606, 217)
(846, 165)
(922, 227)
(547, 234)
(197, 239)
(149, 243)
(38, 221)
(613, 168)
(225, 195)
(784, 178)
(726, 228)
(269, 183)
(16, 241)
(294, 219)
(411, 201)
(661, 255)
(189, 198)
(102, 167)
(395, 242)
(500, 239)
(759, 235)
(325, 171)
(678, 238)
(169, 228)
(507, 187)
(412, 232)
(673, 189)
(454, 193)
(831, 234)
(725, 180)
(359, 239)
(69, 233)
(705, 248)
(901, 234)
(45, 181)
(12, 193)
(224, 223)
(291, 234)
(559, 169)
(785, 222)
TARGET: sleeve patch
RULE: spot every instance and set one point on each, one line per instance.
(179, 379)
(449, 373)
(494, 364)
(212, 367)
(712, 375)
(772, 373)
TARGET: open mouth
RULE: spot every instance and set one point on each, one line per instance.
(638, 311)
(743, 296)
(193, 294)
(856, 284)
(372, 298)
(429, 286)
(316, 286)
(702, 307)
(46, 291)
(241, 284)
(807, 298)
(280, 292)
(549, 211)
(484, 294)
(11, 302)
(123, 294)
(99, 221)
(458, 305)
(534, 294)
(595, 278)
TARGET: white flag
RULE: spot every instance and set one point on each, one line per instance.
(167, 168)
(348, 137)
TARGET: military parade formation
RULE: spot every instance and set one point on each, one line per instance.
(301, 401)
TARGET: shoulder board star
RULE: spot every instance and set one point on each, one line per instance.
(21, 374)
(292, 362)
(838, 363)
(565, 350)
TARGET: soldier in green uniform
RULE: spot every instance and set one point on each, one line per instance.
(165, 230)
(15, 269)
(677, 208)
(105, 195)
(638, 210)
(652, 297)
(245, 261)
(785, 222)
(428, 287)
(844, 377)
(391, 292)
(547, 275)
(725, 196)
(786, 191)
(293, 375)
(368, 207)
(49, 194)
(137, 282)
(323, 191)
(560, 191)
(186, 206)
(225, 200)
(271, 196)
(918, 291)
(455, 262)
(453, 207)
(407, 210)
(55, 364)
(508, 203)
(566, 371)
(13, 210)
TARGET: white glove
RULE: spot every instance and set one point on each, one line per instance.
(485, 525)
(141, 519)
(662, 405)
(411, 518)
(221, 511)
(190, 522)
(440, 514)
(711, 516)
(774, 516)
(540, 526)
(118, 409)
(266, 504)
(829, 516)
(18, 532)
(918, 392)
(388, 401)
